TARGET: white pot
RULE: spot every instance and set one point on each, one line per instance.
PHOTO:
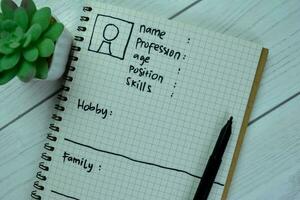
(60, 55)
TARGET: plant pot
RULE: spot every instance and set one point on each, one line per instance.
(60, 56)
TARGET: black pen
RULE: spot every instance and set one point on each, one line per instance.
(213, 163)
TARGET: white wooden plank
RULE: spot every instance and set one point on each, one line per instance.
(269, 164)
(275, 24)
(17, 97)
(165, 8)
(20, 149)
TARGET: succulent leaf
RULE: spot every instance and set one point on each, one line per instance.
(29, 7)
(27, 71)
(9, 61)
(18, 33)
(3, 35)
(35, 31)
(8, 7)
(14, 45)
(31, 54)
(8, 25)
(27, 40)
(21, 18)
(4, 49)
(42, 17)
(42, 69)
(54, 31)
(46, 48)
(7, 75)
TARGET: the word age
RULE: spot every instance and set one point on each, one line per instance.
(143, 59)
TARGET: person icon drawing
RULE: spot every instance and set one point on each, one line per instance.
(110, 33)
(110, 36)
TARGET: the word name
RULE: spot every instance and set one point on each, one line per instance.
(152, 31)
(82, 162)
(94, 108)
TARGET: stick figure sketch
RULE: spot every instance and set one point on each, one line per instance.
(110, 36)
(110, 33)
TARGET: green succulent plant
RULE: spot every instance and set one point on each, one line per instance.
(27, 40)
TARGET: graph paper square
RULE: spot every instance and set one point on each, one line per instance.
(125, 134)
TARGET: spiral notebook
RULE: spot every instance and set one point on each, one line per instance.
(142, 106)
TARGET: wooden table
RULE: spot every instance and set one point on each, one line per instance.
(269, 164)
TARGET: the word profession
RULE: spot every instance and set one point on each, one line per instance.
(153, 46)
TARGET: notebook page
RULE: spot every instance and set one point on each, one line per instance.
(146, 105)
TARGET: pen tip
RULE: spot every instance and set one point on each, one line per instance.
(230, 119)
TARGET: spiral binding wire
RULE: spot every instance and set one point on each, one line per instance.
(38, 184)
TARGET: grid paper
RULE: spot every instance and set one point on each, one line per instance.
(153, 145)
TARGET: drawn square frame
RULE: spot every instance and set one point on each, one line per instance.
(130, 33)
